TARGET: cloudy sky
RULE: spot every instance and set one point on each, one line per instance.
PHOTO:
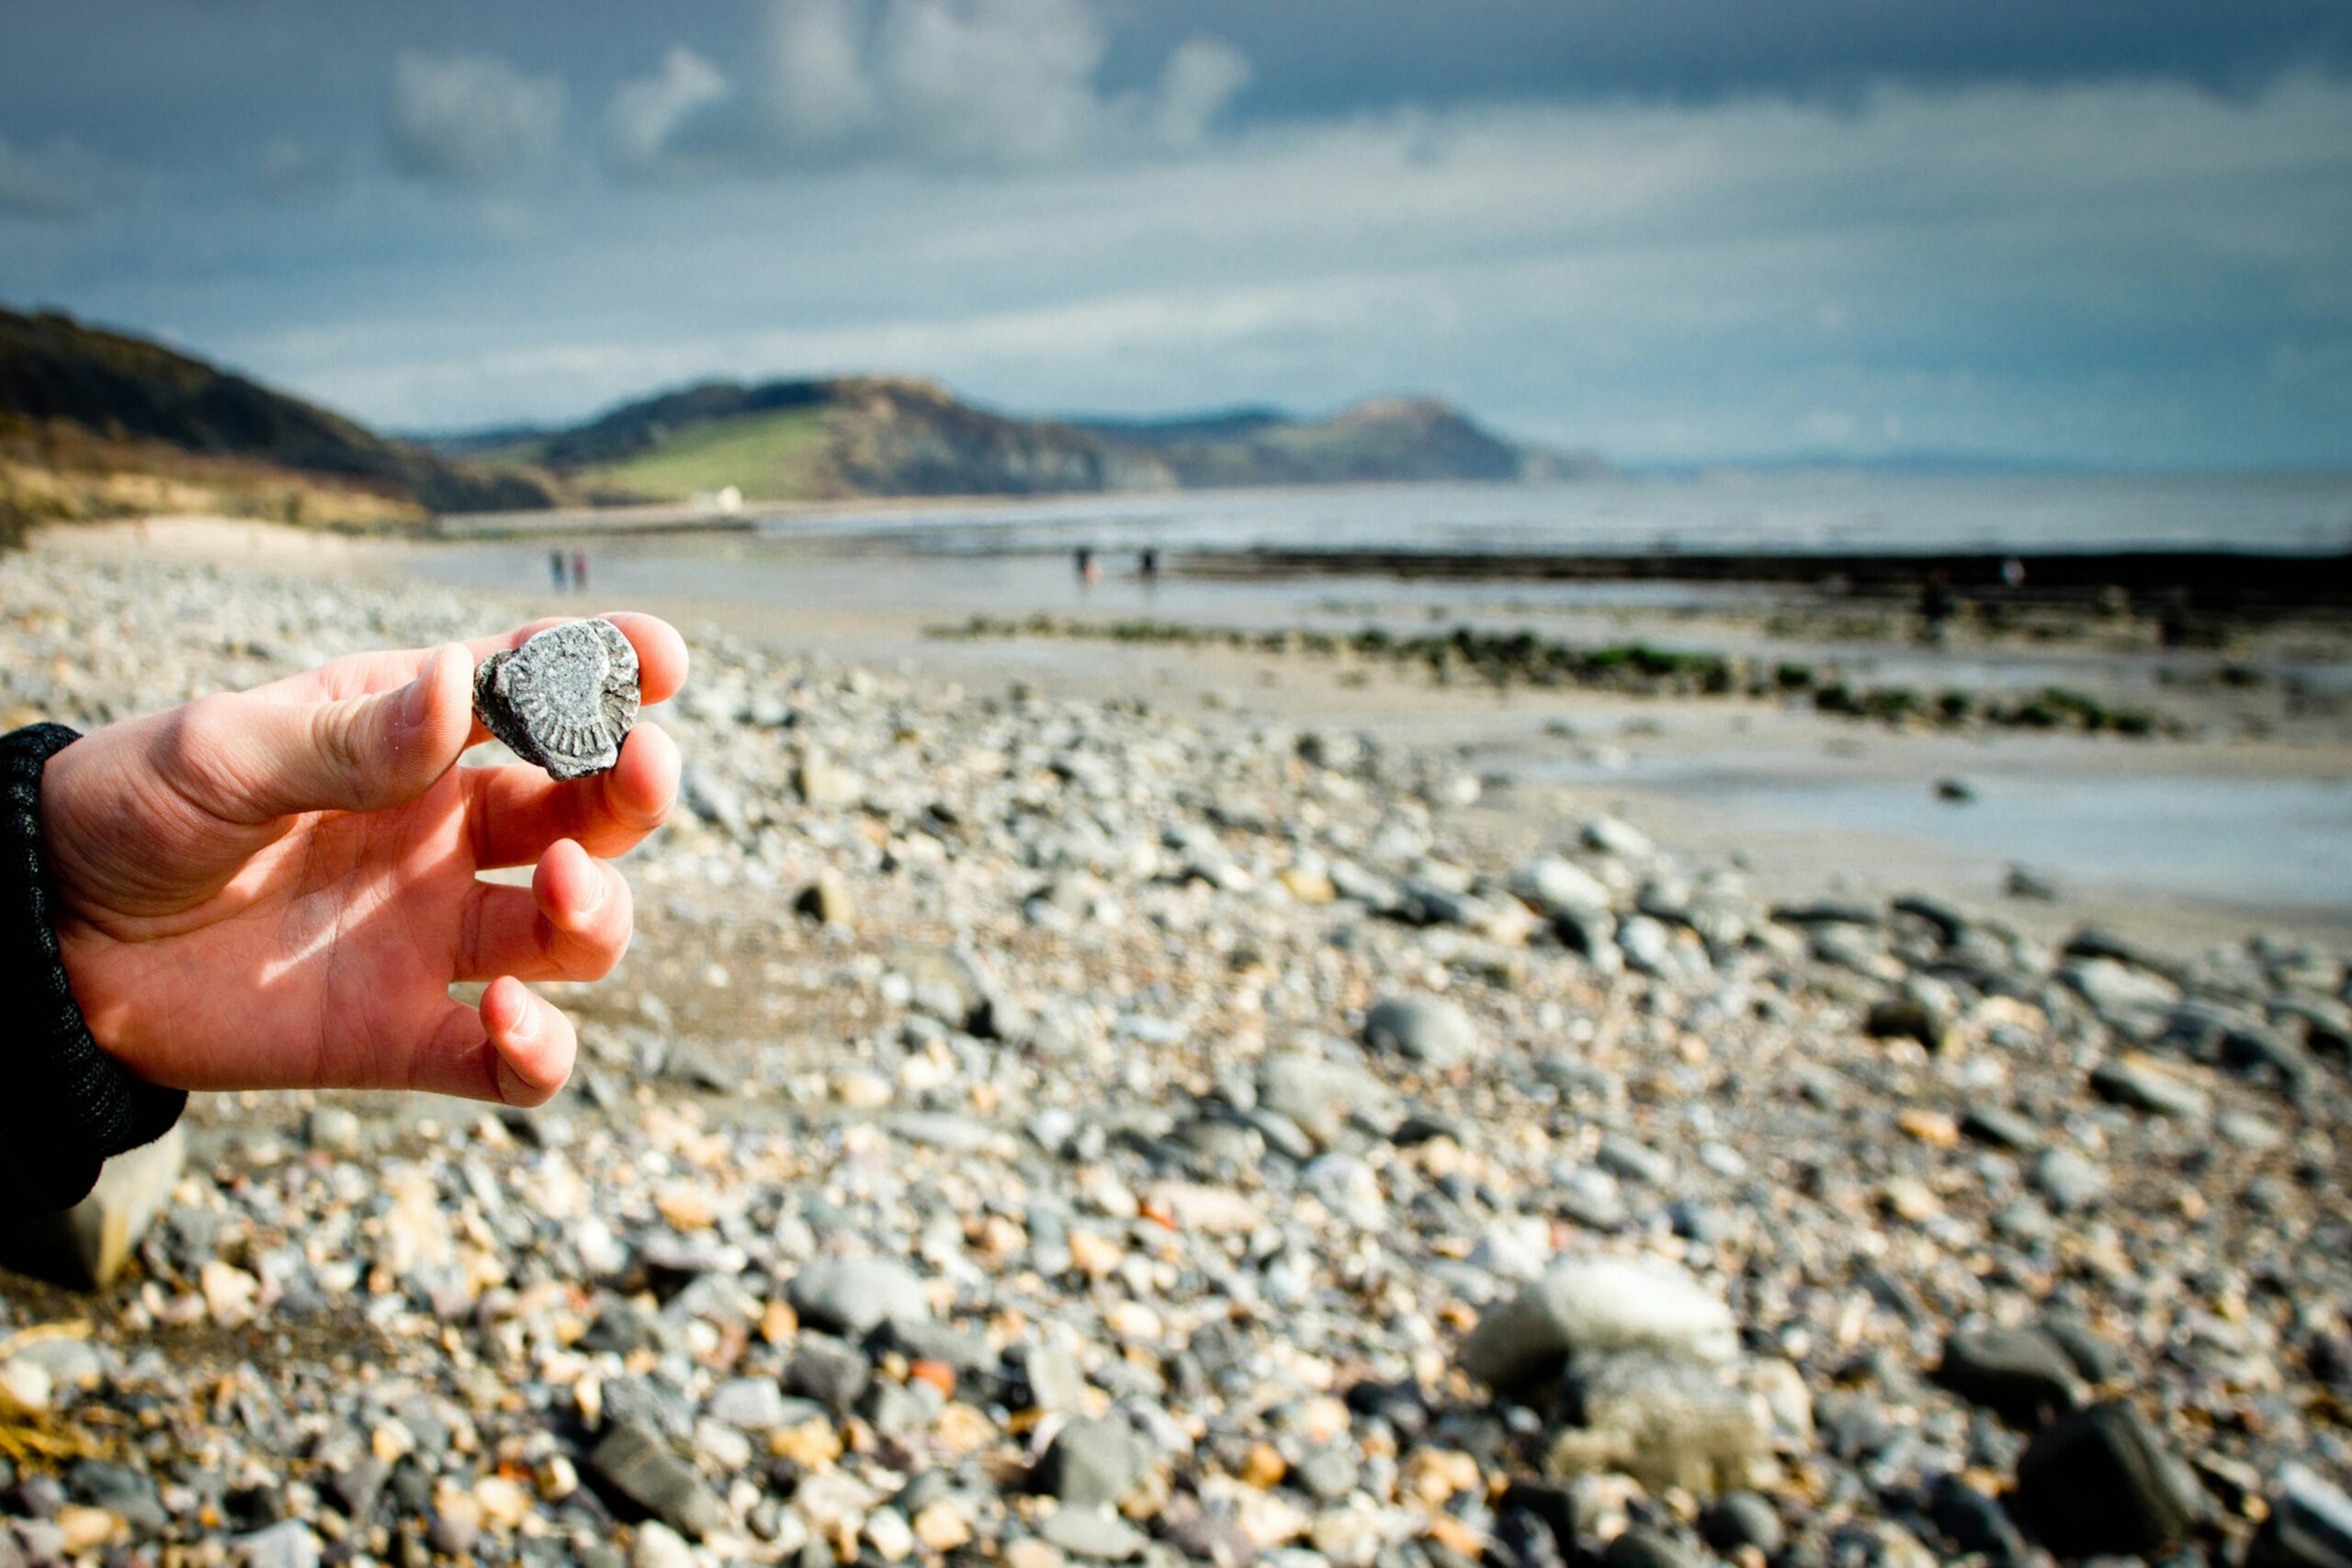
(2107, 232)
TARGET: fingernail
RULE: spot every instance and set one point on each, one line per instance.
(528, 1026)
(601, 889)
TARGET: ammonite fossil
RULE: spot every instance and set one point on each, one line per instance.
(564, 699)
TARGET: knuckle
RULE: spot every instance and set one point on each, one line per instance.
(595, 957)
(334, 737)
(200, 750)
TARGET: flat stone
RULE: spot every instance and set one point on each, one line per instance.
(643, 1468)
(565, 700)
(1553, 884)
(2069, 1179)
(2002, 1128)
(2130, 1001)
(1628, 1161)
(2144, 1084)
(1097, 1533)
(852, 1295)
(1431, 1030)
(2021, 1375)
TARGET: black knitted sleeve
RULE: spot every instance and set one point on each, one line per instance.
(75, 1104)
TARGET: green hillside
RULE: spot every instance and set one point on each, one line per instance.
(774, 455)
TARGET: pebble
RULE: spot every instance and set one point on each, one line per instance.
(854, 1295)
(1740, 1519)
(2020, 1375)
(1091, 1462)
(658, 1546)
(641, 1467)
(2143, 1084)
(1431, 1030)
(1095, 1533)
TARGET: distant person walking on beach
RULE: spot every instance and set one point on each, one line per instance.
(580, 571)
(554, 569)
(1148, 564)
(1090, 571)
(1936, 604)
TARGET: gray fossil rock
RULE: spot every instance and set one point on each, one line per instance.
(564, 699)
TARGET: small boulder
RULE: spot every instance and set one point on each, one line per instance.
(1599, 1303)
(2103, 1482)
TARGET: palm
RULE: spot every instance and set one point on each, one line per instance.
(215, 943)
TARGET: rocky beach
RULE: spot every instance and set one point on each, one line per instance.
(1044, 1129)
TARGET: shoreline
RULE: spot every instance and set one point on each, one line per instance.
(1749, 759)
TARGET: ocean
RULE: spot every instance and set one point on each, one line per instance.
(1015, 556)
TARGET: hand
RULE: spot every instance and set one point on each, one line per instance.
(276, 888)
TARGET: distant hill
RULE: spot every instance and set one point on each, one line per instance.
(884, 435)
(77, 399)
(1384, 440)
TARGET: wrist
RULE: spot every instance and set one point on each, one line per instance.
(84, 1105)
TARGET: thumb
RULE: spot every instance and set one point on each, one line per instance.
(357, 754)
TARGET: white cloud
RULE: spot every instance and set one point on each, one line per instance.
(472, 120)
(813, 86)
(957, 84)
(646, 114)
(1199, 81)
(57, 181)
(993, 81)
